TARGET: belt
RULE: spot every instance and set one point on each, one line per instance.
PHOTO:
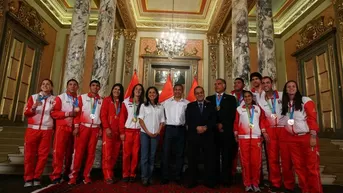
(301, 134)
(249, 137)
(90, 125)
(37, 127)
(278, 126)
(174, 125)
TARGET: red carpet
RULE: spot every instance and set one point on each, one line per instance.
(101, 187)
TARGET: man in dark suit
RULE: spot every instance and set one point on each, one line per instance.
(225, 107)
(201, 122)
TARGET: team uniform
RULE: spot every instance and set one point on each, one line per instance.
(64, 139)
(129, 125)
(301, 124)
(110, 112)
(277, 146)
(88, 121)
(38, 135)
(247, 128)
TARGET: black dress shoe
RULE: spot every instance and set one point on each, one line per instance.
(209, 185)
(132, 179)
(178, 182)
(126, 179)
(190, 185)
(164, 181)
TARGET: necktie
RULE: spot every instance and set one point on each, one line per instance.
(200, 107)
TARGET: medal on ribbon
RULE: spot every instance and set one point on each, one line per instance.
(134, 119)
(75, 103)
(116, 109)
(93, 108)
(238, 100)
(272, 106)
(251, 116)
(218, 100)
(291, 115)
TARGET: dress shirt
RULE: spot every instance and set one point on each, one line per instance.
(175, 111)
(152, 117)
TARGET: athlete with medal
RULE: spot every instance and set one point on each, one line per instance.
(270, 102)
(238, 86)
(130, 132)
(86, 132)
(110, 112)
(249, 125)
(300, 120)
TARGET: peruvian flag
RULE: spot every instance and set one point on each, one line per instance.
(167, 91)
(133, 82)
(191, 96)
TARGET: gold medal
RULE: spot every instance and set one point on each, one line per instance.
(218, 108)
(134, 119)
(77, 109)
(251, 126)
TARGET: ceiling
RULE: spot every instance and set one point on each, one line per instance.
(204, 16)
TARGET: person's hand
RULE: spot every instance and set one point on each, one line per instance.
(108, 132)
(236, 138)
(34, 106)
(313, 141)
(71, 114)
(100, 133)
(76, 131)
(220, 127)
(266, 137)
(122, 137)
(199, 129)
(38, 103)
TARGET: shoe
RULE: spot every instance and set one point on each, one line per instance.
(72, 181)
(87, 180)
(248, 189)
(273, 189)
(190, 185)
(126, 179)
(288, 191)
(56, 181)
(257, 189)
(150, 181)
(164, 181)
(36, 182)
(145, 183)
(109, 181)
(211, 186)
(178, 182)
(28, 183)
(132, 179)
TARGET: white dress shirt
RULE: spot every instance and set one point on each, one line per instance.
(152, 116)
(175, 111)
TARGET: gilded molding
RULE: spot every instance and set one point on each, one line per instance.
(125, 14)
(312, 30)
(221, 16)
(117, 33)
(28, 16)
(128, 57)
(2, 8)
(227, 41)
(213, 60)
(213, 38)
(338, 4)
(115, 47)
(130, 34)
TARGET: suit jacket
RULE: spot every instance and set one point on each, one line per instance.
(195, 118)
(227, 113)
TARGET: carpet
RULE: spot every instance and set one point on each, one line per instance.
(122, 187)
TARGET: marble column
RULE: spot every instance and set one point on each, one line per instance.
(227, 44)
(77, 42)
(102, 67)
(265, 39)
(129, 50)
(240, 41)
(213, 60)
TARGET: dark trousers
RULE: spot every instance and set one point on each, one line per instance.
(195, 144)
(174, 137)
(226, 149)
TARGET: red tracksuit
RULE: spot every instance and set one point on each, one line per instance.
(38, 136)
(304, 157)
(275, 148)
(249, 141)
(87, 138)
(64, 140)
(110, 112)
(131, 144)
(240, 101)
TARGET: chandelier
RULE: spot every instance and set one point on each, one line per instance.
(172, 43)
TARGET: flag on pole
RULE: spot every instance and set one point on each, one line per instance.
(167, 91)
(191, 96)
(133, 82)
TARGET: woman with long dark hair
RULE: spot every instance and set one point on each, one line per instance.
(299, 116)
(249, 125)
(38, 136)
(110, 112)
(151, 119)
(130, 132)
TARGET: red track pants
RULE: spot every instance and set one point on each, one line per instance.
(110, 153)
(37, 149)
(85, 141)
(277, 148)
(251, 157)
(130, 152)
(62, 151)
(306, 163)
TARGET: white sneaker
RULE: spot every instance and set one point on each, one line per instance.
(248, 189)
(257, 189)
(36, 182)
(28, 184)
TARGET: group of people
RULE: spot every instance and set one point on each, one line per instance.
(221, 127)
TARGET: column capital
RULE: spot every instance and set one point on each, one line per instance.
(227, 39)
(213, 38)
(130, 34)
(117, 33)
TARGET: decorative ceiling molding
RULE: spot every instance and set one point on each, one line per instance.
(126, 14)
(223, 11)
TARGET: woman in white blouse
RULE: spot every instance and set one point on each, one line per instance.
(151, 119)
